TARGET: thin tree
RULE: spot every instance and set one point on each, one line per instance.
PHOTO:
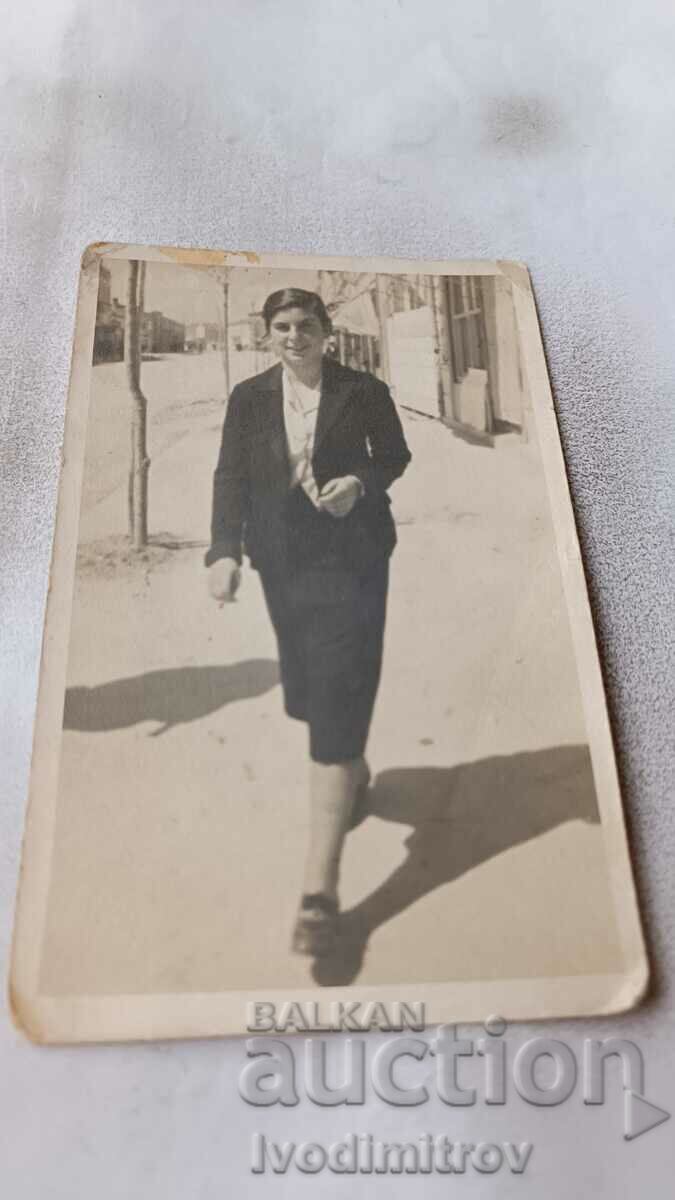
(140, 463)
(382, 309)
(438, 286)
(222, 275)
(141, 304)
(436, 340)
(226, 328)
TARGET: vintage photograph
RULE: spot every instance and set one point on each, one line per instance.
(321, 712)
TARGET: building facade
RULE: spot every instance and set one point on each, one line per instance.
(159, 334)
(453, 352)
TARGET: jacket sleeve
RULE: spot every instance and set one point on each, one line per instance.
(230, 485)
(389, 453)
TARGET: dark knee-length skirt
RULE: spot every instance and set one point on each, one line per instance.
(329, 622)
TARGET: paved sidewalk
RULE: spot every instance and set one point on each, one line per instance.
(182, 816)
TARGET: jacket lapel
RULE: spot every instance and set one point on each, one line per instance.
(336, 389)
(270, 418)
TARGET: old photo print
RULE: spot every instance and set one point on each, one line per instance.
(321, 715)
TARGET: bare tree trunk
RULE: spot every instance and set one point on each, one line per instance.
(226, 333)
(436, 336)
(441, 315)
(382, 316)
(140, 463)
(141, 304)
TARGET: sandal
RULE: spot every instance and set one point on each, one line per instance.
(315, 925)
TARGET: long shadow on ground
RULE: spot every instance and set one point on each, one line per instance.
(173, 696)
(461, 817)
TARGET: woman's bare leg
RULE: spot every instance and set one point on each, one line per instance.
(333, 789)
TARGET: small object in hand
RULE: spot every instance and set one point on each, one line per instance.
(230, 597)
(339, 496)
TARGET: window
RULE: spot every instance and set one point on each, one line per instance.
(466, 324)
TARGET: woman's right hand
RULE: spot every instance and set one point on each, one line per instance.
(224, 577)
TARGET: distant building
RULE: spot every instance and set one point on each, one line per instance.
(356, 329)
(162, 335)
(203, 335)
(104, 285)
(109, 329)
(454, 352)
(159, 334)
(247, 333)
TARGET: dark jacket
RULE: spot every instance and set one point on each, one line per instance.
(358, 432)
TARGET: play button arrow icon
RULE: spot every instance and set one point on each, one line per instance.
(640, 1115)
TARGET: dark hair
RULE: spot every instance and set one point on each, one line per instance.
(309, 302)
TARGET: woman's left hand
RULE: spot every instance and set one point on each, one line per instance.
(339, 496)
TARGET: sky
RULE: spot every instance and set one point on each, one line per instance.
(194, 294)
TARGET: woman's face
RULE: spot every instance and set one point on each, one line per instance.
(297, 337)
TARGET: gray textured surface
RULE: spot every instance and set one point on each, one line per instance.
(535, 131)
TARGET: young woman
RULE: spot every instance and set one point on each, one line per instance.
(308, 452)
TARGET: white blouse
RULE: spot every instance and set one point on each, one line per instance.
(301, 407)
